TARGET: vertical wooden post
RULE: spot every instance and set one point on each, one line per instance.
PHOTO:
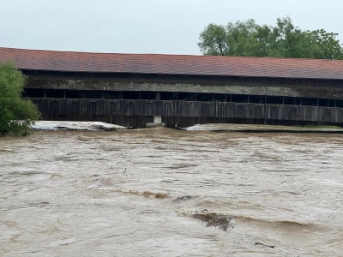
(158, 119)
(265, 109)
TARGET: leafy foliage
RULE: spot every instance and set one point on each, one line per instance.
(215, 36)
(16, 114)
(282, 40)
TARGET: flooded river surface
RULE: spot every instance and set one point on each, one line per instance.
(163, 192)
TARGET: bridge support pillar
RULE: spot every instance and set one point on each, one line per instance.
(157, 119)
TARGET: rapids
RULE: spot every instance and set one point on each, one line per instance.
(163, 192)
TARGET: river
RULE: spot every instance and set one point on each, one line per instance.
(163, 192)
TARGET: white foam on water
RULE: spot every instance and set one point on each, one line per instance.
(75, 125)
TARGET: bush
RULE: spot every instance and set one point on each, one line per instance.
(16, 114)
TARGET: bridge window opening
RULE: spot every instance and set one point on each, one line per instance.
(326, 102)
(168, 96)
(331, 103)
(112, 94)
(322, 102)
(309, 101)
(55, 93)
(33, 92)
(74, 94)
(185, 97)
(148, 95)
(239, 98)
(93, 94)
(292, 101)
(204, 97)
(220, 98)
(339, 103)
(130, 95)
(274, 100)
(256, 99)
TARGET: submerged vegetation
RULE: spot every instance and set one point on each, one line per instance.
(147, 194)
(215, 220)
(16, 114)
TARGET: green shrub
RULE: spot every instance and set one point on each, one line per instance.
(16, 114)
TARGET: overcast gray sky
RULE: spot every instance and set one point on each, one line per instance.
(146, 26)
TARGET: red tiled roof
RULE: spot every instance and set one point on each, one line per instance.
(172, 64)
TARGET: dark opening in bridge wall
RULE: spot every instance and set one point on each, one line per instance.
(257, 99)
(326, 102)
(169, 96)
(112, 94)
(185, 96)
(274, 100)
(93, 94)
(203, 97)
(74, 94)
(54, 93)
(130, 95)
(33, 92)
(309, 101)
(220, 97)
(180, 96)
(239, 98)
(292, 101)
(339, 103)
(148, 95)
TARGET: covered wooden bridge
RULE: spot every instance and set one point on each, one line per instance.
(180, 90)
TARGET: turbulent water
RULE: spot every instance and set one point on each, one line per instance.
(162, 192)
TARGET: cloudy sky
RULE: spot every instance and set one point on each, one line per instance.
(146, 26)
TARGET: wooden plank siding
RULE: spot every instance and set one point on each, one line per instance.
(111, 110)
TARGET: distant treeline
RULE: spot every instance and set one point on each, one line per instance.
(282, 40)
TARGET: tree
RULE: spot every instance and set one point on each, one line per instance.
(213, 40)
(16, 114)
(240, 37)
(327, 46)
(282, 40)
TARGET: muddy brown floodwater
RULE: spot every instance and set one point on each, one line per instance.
(162, 192)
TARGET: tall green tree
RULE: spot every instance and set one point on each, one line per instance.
(282, 40)
(16, 114)
(326, 44)
(214, 40)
